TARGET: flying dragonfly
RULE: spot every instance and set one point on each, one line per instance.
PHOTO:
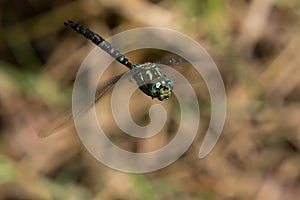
(148, 76)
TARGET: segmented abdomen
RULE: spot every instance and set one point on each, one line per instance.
(99, 41)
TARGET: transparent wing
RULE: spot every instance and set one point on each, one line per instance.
(66, 119)
(101, 90)
(172, 61)
(183, 67)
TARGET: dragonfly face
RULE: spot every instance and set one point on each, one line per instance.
(153, 82)
(161, 89)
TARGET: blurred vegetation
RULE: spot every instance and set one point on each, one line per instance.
(255, 44)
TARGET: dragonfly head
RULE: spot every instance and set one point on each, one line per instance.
(161, 88)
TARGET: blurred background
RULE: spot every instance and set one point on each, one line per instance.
(255, 44)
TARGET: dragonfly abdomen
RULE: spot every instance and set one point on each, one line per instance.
(99, 41)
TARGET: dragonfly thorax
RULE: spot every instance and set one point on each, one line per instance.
(153, 82)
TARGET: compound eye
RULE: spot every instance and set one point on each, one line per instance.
(165, 89)
(155, 88)
(170, 84)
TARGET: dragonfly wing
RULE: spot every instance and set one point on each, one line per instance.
(172, 61)
(101, 90)
(55, 126)
(66, 119)
(182, 67)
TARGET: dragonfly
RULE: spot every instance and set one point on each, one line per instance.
(148, 76)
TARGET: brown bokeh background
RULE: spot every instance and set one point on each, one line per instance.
(256, 46)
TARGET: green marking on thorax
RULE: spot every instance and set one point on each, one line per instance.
(148, 72)
(158, 71)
